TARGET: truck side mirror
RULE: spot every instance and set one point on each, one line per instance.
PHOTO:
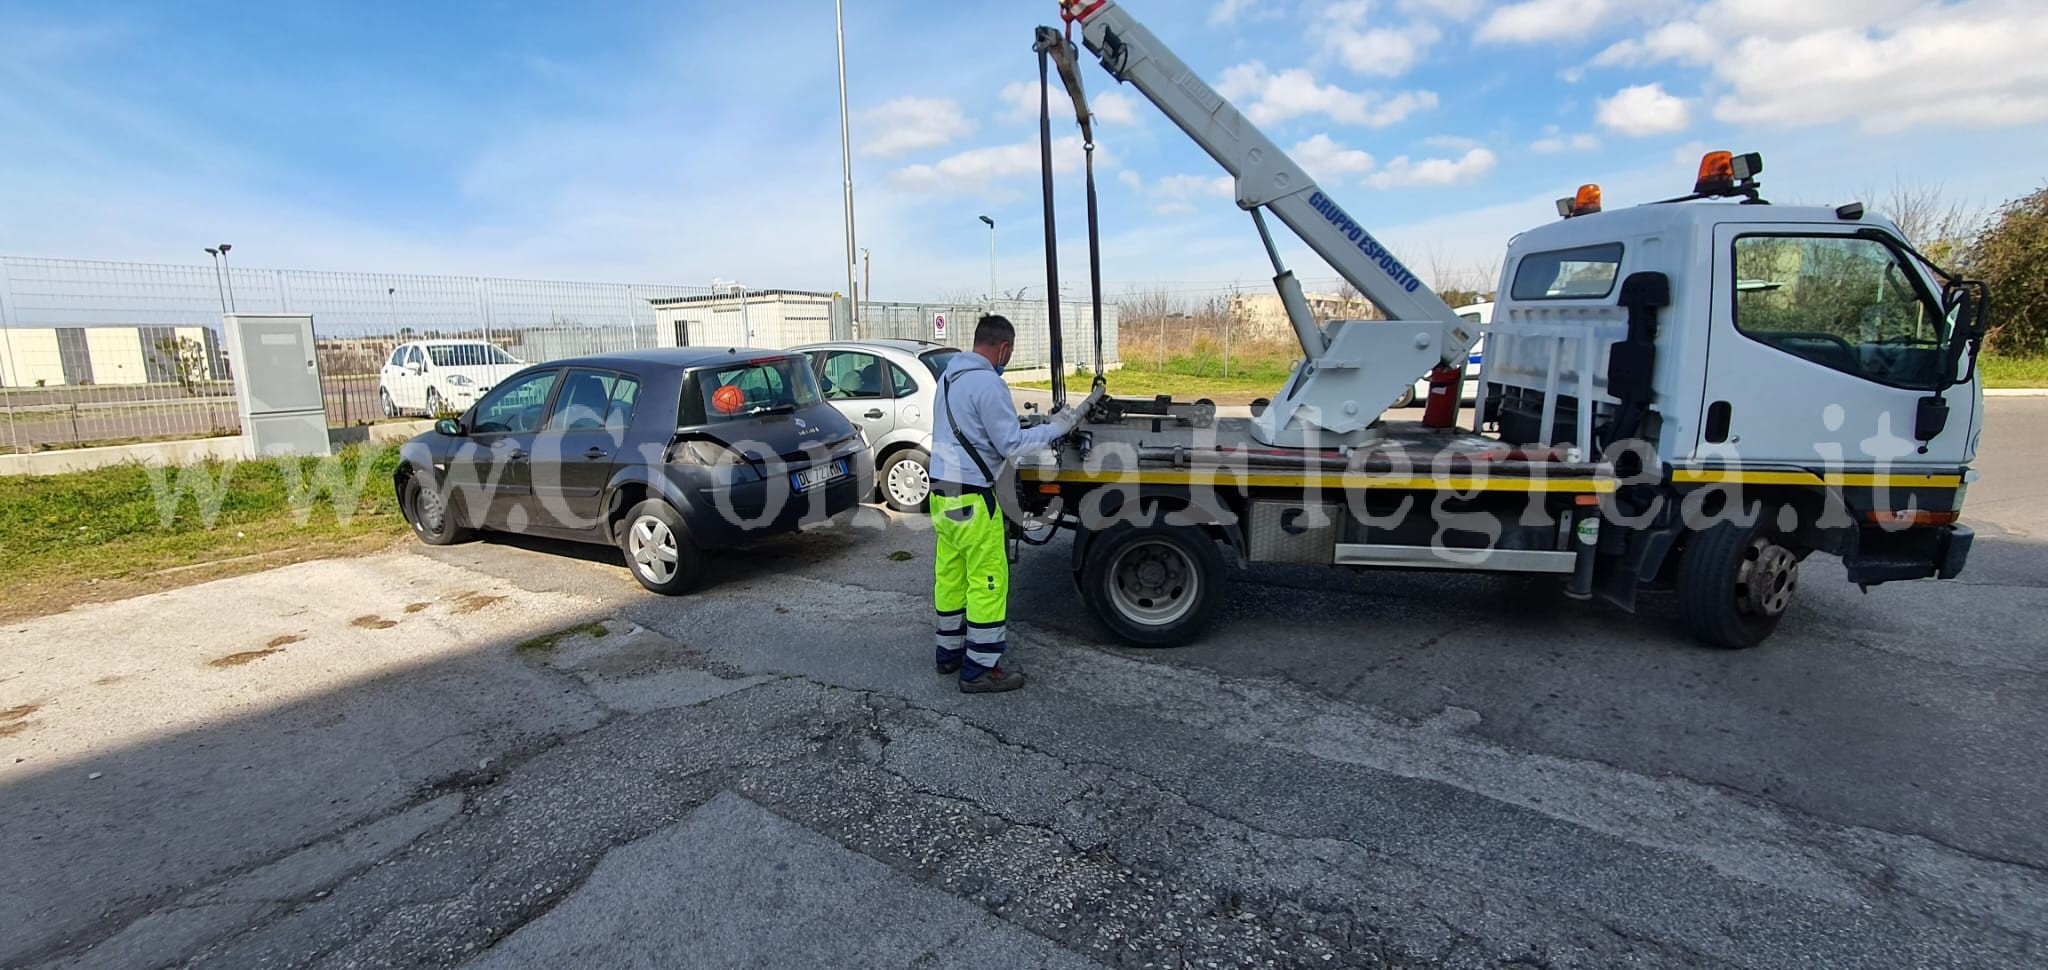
(1965, 306)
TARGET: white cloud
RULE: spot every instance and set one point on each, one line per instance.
(1173, 209)
(1269, 98)
(1452, 9)
(1387, 51)
(1328, 162)
(1541, 20)
(977, 168)
(1781, 18)
(1452, 143)
(1977, 64)
(1131, 180)
(1684, 41)
(1114, 108)
(1554, 141)
(1645, 109)
(1185, 187)
(907, 125)
(1227, 11)
(1474, 165)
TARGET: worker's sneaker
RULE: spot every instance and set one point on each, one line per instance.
(995, 681)
(948, 668)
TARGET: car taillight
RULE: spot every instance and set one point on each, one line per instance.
(728, 465)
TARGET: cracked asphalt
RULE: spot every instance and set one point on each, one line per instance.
(389, 762)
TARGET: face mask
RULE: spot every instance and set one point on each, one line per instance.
(999, 370)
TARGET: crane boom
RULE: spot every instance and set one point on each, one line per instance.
(1351, 362)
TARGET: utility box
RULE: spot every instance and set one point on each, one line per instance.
(277, 384)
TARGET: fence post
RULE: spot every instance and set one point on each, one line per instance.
(14, 360)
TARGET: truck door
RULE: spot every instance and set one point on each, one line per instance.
(1822, 339)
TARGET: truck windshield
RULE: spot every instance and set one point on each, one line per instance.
(736, 391)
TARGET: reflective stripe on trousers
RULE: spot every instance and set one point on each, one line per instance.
(970, 583)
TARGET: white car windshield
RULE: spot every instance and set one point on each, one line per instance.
(468, 355)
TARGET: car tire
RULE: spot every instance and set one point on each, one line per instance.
(906, 480)
(1407, 398)
(426, 510)
(1155, 585)
(1735, 581)
(433, 402)
(390, 406)
(658, 548)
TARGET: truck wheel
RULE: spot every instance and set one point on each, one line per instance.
(658, 549)
(1735, 582)
(426, 510)
(1154, 586)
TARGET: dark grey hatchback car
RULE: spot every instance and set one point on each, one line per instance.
(666, 454)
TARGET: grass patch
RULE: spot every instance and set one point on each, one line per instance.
(902, 556)
(547, 642)
(112, 532)
(2014, 372)
(1252, 371)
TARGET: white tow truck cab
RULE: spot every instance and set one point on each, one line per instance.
(1693, 395)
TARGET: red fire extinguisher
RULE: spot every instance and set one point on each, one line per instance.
(1442, 408)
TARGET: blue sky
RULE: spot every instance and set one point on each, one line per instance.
(678, 142)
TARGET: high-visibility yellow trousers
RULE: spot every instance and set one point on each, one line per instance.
(970, 583)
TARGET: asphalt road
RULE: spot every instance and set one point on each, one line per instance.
(1353, 770)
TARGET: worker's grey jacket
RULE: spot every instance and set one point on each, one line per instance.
(988, 417)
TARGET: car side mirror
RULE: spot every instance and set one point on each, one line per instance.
(449, 427)
(414, 367)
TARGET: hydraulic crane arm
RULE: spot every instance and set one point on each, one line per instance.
(1266, 176)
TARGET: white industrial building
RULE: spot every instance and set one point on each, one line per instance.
(59, 356)
(772, 319)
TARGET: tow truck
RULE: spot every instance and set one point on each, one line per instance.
(1692, 395)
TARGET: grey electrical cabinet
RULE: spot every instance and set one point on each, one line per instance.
(277, 384)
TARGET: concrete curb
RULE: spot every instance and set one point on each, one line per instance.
(187, 451)
(2016, 392)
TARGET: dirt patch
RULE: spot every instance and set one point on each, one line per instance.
(372, 623)
(472, 602)
(109, 680)
(245, 657)
(546, 643)
(416, 607)
(289, 638)
(56, 594)
(10, 730)
(17, 713)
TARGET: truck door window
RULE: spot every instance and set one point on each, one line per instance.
(1843, 302)
(1585, 273)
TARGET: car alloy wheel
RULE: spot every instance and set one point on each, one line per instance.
(652, 546)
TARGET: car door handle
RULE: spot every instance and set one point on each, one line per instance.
(596, 453)
(875, 413)
(516, 455)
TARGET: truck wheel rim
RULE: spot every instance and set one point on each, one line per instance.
(909, 482)
(1154, 582)
(652, 544)
(1768, 576)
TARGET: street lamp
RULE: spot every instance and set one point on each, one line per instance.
(218, 287)
(991, 257)
(229, 273)
(846, 166)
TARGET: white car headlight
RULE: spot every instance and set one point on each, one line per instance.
(458, 380)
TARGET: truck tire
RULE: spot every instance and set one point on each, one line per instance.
(1735, 582)
(1155, 585)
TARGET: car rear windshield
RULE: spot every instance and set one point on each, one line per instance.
(736, 391)
(1586, 273)
(468, 355)
(936, 360)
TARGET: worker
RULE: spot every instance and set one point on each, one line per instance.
(974, 432)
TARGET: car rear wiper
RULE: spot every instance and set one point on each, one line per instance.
(773, 409)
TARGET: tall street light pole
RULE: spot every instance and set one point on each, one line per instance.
(229, 273)
(219, 288)
(846, 165)
(991, 258)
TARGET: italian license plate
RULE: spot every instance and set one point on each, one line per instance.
(811, 478)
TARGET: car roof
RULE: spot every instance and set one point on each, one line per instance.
(672, 357)
(899, 344)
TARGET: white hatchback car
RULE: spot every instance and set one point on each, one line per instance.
(887, 388)
(433, 377)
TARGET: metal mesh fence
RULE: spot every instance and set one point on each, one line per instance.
(101, 353)
(917, 321)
